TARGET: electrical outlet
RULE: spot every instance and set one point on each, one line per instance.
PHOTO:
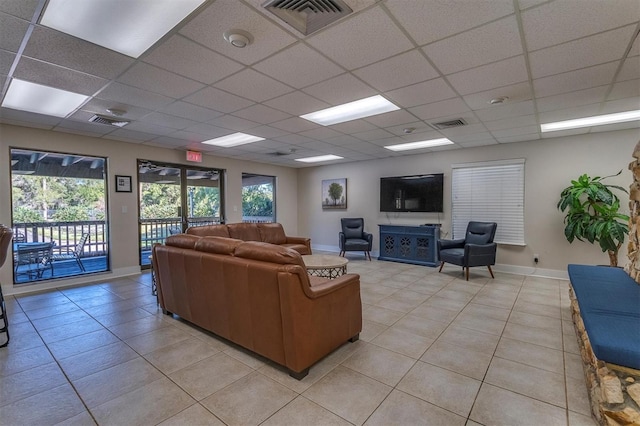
(536, 258)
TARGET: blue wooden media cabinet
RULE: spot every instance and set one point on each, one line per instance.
(409, 244)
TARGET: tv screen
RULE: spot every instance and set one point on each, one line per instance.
(418, 193)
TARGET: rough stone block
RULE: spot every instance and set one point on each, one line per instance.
(611, 389)
(634, 391)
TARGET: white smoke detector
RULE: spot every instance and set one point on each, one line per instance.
(238, 38)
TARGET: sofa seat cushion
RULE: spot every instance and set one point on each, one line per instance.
(356, 244)
(218, 245)
(453, 255)
(244, 231)
(609, 302)
(272, 233)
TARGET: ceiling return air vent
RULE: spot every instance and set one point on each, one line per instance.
(449, 124)
(109, 121)
(308, 16)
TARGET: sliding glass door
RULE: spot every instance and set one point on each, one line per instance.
(174, 197)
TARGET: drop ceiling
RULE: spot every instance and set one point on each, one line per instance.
(437, 60)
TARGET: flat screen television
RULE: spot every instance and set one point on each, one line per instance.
(417, 193)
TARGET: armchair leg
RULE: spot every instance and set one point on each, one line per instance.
(341, 253)
(441, 265)
(366, 254)
(490, 271)
(466, 273)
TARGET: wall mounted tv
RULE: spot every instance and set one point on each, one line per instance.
(417, 193)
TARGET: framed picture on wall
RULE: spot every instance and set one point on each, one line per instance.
(334, 193)
(123, 183)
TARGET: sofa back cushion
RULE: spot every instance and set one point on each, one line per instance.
(209, 231)
(182, 240)
(272, 233)
(217, 245)
(268, 253)
(244, 231)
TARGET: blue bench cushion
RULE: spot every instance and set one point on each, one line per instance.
(609, 302)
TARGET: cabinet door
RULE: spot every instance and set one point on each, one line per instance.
(388, 245)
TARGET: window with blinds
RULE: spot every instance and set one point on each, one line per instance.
(489, 192)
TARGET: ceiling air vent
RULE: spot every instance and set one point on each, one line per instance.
(449, 124)
(109, 121)
(308, 16)
(279, 153)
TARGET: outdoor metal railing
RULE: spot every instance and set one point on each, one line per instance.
(66, 235)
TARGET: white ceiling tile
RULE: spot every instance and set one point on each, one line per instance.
(160, 119)
(526, 4)
(421, 93)
(498, 74)
(85, 128)
(353, 126)
(152, 129)
(267, 132)
(33, 123)
(372, 135)
(367, 41)
(342, 89)
(489, 43)
(569, 113)
(344, 140)
(393, 118)
(208, 130)
(166, 142)
(519, 138)
(515, 93)
(297, 103)
(218, 100)
(624, 89)
(190, 111)
(630, 69)
(294, 125)
(479, 142)
(573, 99)
(626, 104)
(402, 70)
(431, 20)
(154, 79)
(581, 53)
(12, 31)
(321, 133)
(129, 136)
(253, 85)
(61, 49)
(234, 123)
(575, 80)
(470, 137)
(417, 126)
(464, 130)
(6, 61)
(506, 110)
(560, 21)
(310, 67)
(512, 122)
(294, 139)
(191, 137)
(130, 95)
(208, 27)
(262, 114)
(184, 57)
(22, 9)
(81, 132)
(99, 106)
(59, 77)
(518, 131)
(440, 109)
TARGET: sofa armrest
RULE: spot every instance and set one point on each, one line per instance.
(331, 285)
(300, 240)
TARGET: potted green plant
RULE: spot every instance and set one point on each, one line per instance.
(592, 214)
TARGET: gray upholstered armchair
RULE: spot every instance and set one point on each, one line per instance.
(476, 249)
(353, 237)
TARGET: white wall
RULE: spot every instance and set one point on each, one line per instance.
(122, 158)
(550, 165)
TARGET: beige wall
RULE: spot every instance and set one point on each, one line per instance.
(122, 158)
(550, 164)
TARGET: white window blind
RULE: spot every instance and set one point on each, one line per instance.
(489, 192)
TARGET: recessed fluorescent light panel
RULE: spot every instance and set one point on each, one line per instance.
(597, 120)
(319, 158)
(40, 99)
(418, 145)
(234, 139)
(129, 27)
(351, 111)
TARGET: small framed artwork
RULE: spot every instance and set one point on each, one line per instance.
(334, 193)
(123, 183)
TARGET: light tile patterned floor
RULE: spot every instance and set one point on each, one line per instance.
(434, 350)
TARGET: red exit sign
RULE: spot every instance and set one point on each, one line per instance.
(194, 156)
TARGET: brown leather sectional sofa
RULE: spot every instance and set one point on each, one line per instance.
(259, 296)
(266, 232)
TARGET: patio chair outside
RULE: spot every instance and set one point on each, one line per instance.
(75, 253)
(33, 259)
